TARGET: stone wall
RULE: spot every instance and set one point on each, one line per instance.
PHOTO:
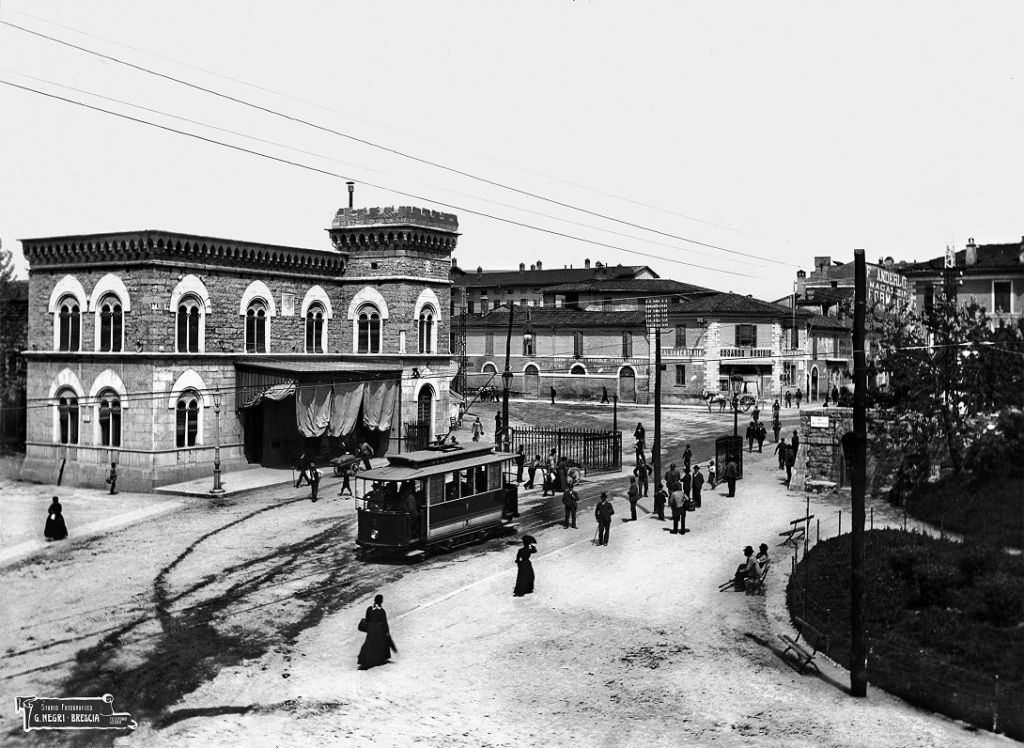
(821, 452)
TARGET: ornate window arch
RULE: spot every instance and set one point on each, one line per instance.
(578, 370)
(67, 329)
(425, 401)
(109, 314)
(316, 328)
(66, 393)
(369, 329)
(188, 420)
(427, 330)
(108, 418)
(367, 300)
(190, 324)
(110, 284)
(489, 368)
(257, 326)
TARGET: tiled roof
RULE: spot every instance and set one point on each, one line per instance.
(552, 277)
(731, 303)
(649, 286)
(823, 322)
(557, 317)
(990, 257)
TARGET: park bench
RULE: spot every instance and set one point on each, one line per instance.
(806, 648)
(794, 535)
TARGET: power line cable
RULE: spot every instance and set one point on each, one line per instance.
(299, 100)
(358, 166)
(326, 172)
(384, 148)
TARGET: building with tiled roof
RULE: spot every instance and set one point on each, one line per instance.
(527, 285)
(620, 293)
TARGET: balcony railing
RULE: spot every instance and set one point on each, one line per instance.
(746, 353)
(682, 352)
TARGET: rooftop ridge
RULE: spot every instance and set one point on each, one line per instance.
(403, 215)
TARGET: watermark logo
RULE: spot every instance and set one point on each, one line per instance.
(73, 713)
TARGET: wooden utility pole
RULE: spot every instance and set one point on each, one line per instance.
(858, 653)
(656, 310)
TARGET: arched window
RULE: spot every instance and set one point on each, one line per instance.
(369, 330)
(111, 324)
(489, 369)
(256, 327)
(578, 370)
(425, 407)
(69, 325)
(189, 314)
(187, 412)
(67, 416)
(426, 330)
(315, 328)
(110, 418)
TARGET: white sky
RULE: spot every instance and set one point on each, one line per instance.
(805, 128)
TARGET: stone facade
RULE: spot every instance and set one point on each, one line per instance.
(401, 273)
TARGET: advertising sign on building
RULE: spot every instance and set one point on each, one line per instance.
(887, 288)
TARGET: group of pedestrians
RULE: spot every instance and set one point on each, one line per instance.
(791, 396)
(749, 573)
(787, 455)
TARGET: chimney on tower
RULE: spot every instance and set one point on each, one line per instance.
(971, 254)
(351, 192)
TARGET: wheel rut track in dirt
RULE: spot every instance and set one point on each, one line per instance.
(151, 672)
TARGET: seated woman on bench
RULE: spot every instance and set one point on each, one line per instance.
(744, 570)
(762, 557)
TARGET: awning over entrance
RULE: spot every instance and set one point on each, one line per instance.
(329, 395)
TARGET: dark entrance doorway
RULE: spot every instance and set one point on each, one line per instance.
(627, 385)
(253, 433)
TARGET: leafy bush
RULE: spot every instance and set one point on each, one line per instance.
(942, 620)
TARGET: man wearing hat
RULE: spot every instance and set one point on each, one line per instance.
(698, 485)
(673, 479)
(603, 514)
(677, 502)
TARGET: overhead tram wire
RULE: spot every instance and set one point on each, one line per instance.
(384, 148)
(414, 196)
(314, 104)
(276, 144)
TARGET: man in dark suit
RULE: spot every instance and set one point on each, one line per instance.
(571, 500)
(731, 473)
(698, 485)
(677, 502)
(673, 479)
(603, 514)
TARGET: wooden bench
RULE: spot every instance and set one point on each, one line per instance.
(794, 535)
(802, 649)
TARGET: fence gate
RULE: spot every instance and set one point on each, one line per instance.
(724, 447)
(417, 436)
(594, 451)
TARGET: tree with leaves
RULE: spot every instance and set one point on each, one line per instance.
(950, 371)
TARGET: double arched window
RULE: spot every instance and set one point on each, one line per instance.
(426, 330)
(315, 329)
(256, 327)
(188, 317)
(187, 419)
(69, 325)
(67, 416)
(368, 329)
(109, 418)
(110, 321)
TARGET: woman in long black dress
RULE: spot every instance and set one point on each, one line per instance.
(55, 528)
(524, 579)
(377, 648)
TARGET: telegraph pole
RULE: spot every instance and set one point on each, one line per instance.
(657, 317)
(858, 653)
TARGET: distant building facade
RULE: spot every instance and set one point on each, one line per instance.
(13, 341)
(138, 339)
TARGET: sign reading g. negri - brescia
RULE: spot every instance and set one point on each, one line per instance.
(73, 713)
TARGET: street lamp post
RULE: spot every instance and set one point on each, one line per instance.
(735, 415)
(217, 489)
(504, 444)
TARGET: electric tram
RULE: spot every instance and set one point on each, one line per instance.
(440, 497)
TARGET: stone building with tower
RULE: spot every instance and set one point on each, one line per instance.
(155, 350)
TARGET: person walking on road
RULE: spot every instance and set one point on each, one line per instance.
(677, 502)
(365, 452)
(642, 471)
(756, 415)
(698, 485)
(798, 397)
(687, 483)
(55, 529)
(640, 434)
(314, 480)
(776, 429)
(775, 410)
(571, 501)
(687, 458)
(730, 474)
(673, 479)
(634, 496)
(789, 399)
(524, 577)
(780, 450)
(660, 499)
(604, 396)
(552, 395)
(790, 462)
(549, 474)
(478, 429)
(796, 440)
(497, 428)
(520, 460)
(112, 478)
(378, 646)
(761, 435)
(712, 475)
(751, 435)
(603, 514)
(532, 471)
(302, 465)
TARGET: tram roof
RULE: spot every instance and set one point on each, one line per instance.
(410, 468)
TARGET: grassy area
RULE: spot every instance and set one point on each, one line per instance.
(986, 510)
(944, 621)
